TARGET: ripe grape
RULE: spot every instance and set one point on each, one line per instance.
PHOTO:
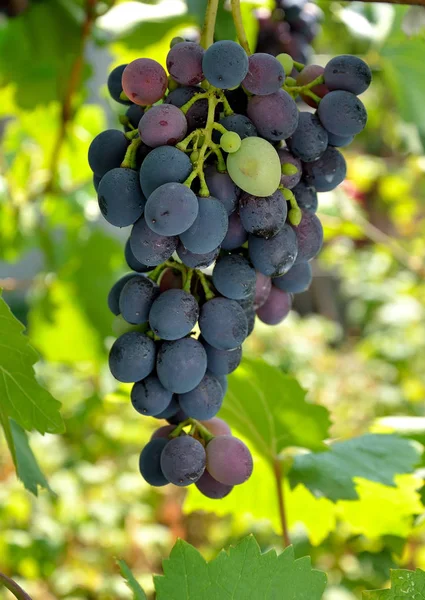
(164, 165)
(115, 292)
(286, 158)
(132, 357)
(326, 173)
(150, 248)
(132, 261)
(310, 139)
(223, 323)
(309, 236)
(236, 235)
(308, 74)
(150, 462)
(144, 81)
(196, 261)
(96, 180)
(339, 141)
(229, 461)
(266, 75)
(170, 280)
(275, 116)
(211, 488)
(115, 84)
(276, 308)
(222, 362)
(197, 114)
(163, 125)
(217, 426)
(136, 299)
(107, 151)
(173, 314)
(342, 113)
(255, 167)
(225, 64)
(296, 280)
(234, 277)
(183, 460)
(349, 73)
(204, 401)
(184, 63)
(163, 432)
(222, 187)
(262, 290)
(275, 256)
(149, 397)
(181, 365)
(239, 124)
(170, 411)
(264, 217)
(121, 200)
(134, 113)
(306, 196)
(208, 229)
(224, 383)
(171, 209)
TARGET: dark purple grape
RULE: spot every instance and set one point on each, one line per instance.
(275, 256)
(349, 73)
(209, 229)
(275, 116)
(234, 277)
(229, 460)
(136, 299)
(132, 261)
(171, 209)
(309, 236)
(132, 357)
(339, 141)
(163, 165)
(223, 323)
(262, 290)
(326, 173)
(222, 187)
(236, 234)
(144, 81)
(121, 200)
(173, 314)
(115, 292)
(196, 261)
(276, 308)
(107, 151)
(150, 248)
(184, 63)
(134, 113)
(342, 113)
(115, 84)
(263, 217)
(310, 139)
(197, 114)
(306, 196)
(204, 401)
(296, 280)
(222, 362)
(211, 488)
(163, 125)
(286, 158)
(170, 411)
(225, 64)
(239, 124)
(265, 75)
(183, 460)
(149, 397)
(150, 462)
(163, 432)
(181, 365)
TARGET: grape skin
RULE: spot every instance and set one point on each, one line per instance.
(342, 113)
(181, 365)
(222, 187)
(150, 462)
(136, 299)
(339, 141)
(234, 277)
(262, 290)
(164, 165)
(255, 167)
(170, 280)
(265, 75)
(132, 357)
(236, 235)
(163, 125)
(211, 488)
(196, 261)
(308, 74)
(144, 81)
(275, 116)
(222, 362)
(349, 73)
(296, 280)
(209, 228)
(204, 401)
(309, 140)
(134, 113)
(225, 64)
(121, 200)
(171, 410)
(223, 323)
(309, 236)
(224, 384)
(229, 460)
(107, 151)
(217, 426)
(150, 248)
(306, 196)
(263, 217)
(132, 261)
(276, 308)
(184, 63)
(171, 209)
(115, 291)
(239, 124)
(275, 256)
(149, 397)
(183, 461)
(197, 114)
(115, 85)
(290, 181)
(173, 314)
(326, 173)
(163, 432)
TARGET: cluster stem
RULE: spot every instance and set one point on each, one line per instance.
(240, 29)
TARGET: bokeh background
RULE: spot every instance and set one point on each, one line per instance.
(356, 340)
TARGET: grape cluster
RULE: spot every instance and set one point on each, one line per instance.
(290, 28)
(217, 172)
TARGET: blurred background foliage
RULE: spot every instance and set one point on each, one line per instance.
(356, 341)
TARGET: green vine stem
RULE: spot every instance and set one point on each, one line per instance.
(299, 66)
(188, 280)
(209, 294)
(203, 431)
(129, 161)
(240, 29)
(207, 36)
(306, 89)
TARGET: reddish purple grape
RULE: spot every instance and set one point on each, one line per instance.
(286, 157)
(307, 75)
(276, 308)
(211, 488)
(309, 236)
(163, 432)
(163, 125)
(236, 234)
(275, 116)
(262, 290)
(217, 426)
(229, 460)
(265, 75)
(184, 63)
(170, 280)
(144, 81)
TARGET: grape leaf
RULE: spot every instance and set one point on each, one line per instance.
(405, 585)
(27, 467)
(135, 587)
(241, 573)
(373, 457)
(272, 410)
(23, 398)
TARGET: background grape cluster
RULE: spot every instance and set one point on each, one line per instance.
(217, 171)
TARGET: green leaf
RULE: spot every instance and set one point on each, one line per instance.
(271, 409)
(373, 457)
(405, 585)
(241, 573)
(138, 593)
(16, 590)
(27, 467)
(23, 398)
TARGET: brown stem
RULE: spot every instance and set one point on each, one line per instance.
(277, 469)
(406, 2)
(16, 590)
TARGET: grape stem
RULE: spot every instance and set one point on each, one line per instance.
(299, 66)
(129, 161)
(306, 89)
(207, 36)
(240, 29)
(188, 280)
(209, 294)
(204, 432)
(277, 470)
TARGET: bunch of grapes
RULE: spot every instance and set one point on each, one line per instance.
(217, 172)
(290, 28)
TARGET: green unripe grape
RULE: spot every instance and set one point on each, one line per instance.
(289, 169)
(255, 167)
(230, 141)
(172, 84)
(288, 195)
(287, 62)
(295, 216)
(290, 82)
(194, 157)
(176, 40)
